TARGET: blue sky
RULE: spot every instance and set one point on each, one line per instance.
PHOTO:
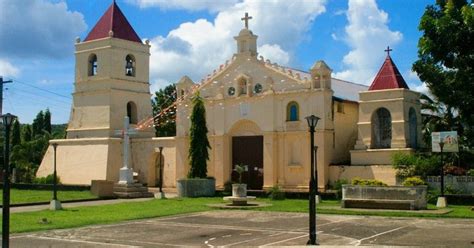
(194, 37)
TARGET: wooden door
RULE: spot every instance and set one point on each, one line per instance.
(248, 150)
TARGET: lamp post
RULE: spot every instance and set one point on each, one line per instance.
(55, 204)
(161, 170)
(441, 146)
(312, 122)
(7, 122)
(442, 202)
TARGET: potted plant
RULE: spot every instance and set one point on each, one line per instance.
(240, 189)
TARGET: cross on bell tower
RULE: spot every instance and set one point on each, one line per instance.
(388, 50)
(246, 19)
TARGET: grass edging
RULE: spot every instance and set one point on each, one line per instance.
(127, 211)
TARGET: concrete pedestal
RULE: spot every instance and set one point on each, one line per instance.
(126, 176)
(442, 202)
(132, 190)
(160, 195)
(318, 199)
(55, 205)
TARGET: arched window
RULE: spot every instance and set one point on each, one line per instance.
(130, 65)
(92, 69)
(292, 111)
(258, 89)
(413, 128)
(381, 129)
(132, 112)
(242, 86)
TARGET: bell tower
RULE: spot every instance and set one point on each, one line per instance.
(111, 79)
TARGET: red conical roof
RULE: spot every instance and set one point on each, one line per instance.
(113, 20)
(388, 77)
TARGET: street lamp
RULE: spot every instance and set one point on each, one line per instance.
(7, 120)
(312, 122)
(441, 202)
(161, 170)
(55, 204)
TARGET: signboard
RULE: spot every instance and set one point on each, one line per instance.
(450, 140)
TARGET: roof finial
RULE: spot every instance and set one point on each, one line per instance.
(388, 50)
(246, 18)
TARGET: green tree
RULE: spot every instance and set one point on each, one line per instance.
(16, 134)
(165, 124)
(446, 56)
(199, 144)
(27, 133)
(27, 157)
(38, 124)
(437, 117)
(47, 121)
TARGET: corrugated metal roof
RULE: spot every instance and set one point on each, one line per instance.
(344, 90)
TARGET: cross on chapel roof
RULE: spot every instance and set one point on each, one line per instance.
(388, 50)
(246, 18)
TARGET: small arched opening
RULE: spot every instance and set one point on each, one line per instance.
(292, 111)
(412, 128)
(242, 86)
(92, 68)
(132, 112)
(130, 65)
(381, 129)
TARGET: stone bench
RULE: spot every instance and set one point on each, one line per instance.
(384, 197)
(239, 201)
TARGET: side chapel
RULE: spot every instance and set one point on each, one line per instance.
(255, 112)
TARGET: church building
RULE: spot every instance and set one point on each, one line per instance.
(255, 112)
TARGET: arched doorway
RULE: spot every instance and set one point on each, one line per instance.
(412, 128)
(381, 129)
(247, 149)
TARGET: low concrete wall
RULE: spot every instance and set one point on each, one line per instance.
(384, 173)
(398, 195)
(464, 184)
(196, 187)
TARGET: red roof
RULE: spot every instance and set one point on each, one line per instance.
(113, 20)
(388, 77)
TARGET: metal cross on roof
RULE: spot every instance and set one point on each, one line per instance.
(388, 50)
(246, 18)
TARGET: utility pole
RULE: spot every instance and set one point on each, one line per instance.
(1, 92)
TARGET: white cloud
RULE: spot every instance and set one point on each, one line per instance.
(7, 69)
(197, 48)
(274, 53)
(38, 28)
(193, 5)
(412, 75)
(367, 33)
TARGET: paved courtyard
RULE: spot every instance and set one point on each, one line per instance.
(253, 228)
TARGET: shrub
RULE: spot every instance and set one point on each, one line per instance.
(367, 182)
(414, 181)
(408, 165)
(470, 172)
(338, 187)
(451, 169)
(276, 193)
(46, 180)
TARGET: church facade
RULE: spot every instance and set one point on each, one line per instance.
(255, 112)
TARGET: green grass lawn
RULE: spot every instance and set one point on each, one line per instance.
(105, 214)
(30, 196)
